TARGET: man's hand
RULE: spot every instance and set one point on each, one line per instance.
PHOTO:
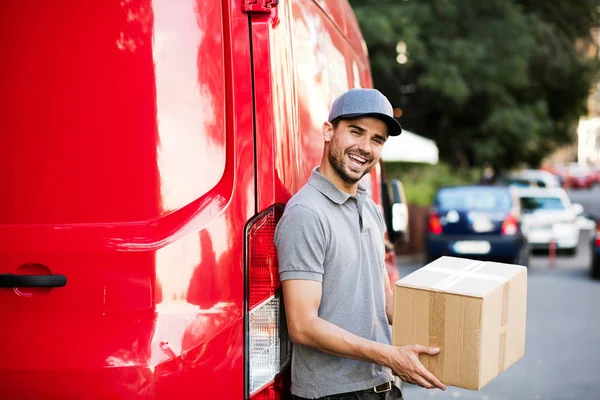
(404, 361)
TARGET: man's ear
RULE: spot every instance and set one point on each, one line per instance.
(327, 131)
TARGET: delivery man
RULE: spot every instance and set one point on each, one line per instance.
(330, 244)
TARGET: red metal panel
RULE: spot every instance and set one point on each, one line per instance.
(333, 10)
(153, 303)
(285, 107)
(352, 29)
(263, 105)
(320, 56)
(294, 89)
(74, 77)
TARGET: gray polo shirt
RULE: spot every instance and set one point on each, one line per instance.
(332, 237)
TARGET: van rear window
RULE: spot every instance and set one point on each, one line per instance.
(481, 199)
(530, 204)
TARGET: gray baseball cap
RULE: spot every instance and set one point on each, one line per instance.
(357, 103)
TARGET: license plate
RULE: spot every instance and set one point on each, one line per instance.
(472, 247)
(483, 225)
(563, 228)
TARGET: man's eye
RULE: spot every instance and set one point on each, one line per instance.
(355, 132)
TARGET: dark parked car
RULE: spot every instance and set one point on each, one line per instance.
(481, 222)
(595, 272)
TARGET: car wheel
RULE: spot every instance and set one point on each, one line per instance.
(595, 269)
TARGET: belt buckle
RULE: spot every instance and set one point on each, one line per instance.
(386, 388)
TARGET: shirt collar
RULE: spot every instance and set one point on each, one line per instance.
(325, 186)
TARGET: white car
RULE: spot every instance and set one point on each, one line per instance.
(533, 178)
(549, 219)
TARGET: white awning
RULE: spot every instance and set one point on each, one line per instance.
(410, 147)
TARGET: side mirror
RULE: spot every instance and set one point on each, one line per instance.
(399, 211)
(577, 208)
(400, 219)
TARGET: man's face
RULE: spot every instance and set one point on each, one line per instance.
(355, 147)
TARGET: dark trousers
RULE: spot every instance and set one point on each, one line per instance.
(394, 394)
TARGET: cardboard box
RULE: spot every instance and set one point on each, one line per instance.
(473, 311)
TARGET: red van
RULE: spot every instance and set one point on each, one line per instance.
(147, 150)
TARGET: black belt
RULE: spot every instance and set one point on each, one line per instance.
(384, 387)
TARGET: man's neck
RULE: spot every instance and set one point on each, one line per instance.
(329, 173)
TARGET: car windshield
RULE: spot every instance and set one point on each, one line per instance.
(480, 199)
(530, 204)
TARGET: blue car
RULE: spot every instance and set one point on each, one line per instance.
(481, 222)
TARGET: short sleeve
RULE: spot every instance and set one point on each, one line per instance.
(300, 242)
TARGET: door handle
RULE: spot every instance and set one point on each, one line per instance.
(45, 281)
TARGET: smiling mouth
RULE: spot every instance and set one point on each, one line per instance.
(357, 161)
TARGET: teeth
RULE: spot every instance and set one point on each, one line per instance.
(357, 158)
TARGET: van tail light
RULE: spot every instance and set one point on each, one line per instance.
(510, 226)
(598, 234)
(275, 390)
(434, 226)
(267, 393)
(267, 342)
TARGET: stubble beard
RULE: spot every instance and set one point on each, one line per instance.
(337, 164)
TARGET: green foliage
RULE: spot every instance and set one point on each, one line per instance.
(422, 181)
(491, 81)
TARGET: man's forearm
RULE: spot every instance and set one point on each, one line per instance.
(389, 305)
(329, 338)
(389, 297)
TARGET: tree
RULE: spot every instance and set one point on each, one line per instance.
(492, 81)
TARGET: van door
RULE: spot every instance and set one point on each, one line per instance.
(123, 164)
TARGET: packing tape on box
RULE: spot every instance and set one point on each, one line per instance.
(469, 271)
(437, 312)
(437, 328)
(503, 327)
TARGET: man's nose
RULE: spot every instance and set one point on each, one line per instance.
(365, 144)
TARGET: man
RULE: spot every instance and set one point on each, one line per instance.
(330, 245)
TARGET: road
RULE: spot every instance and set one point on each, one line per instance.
(562, 353)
